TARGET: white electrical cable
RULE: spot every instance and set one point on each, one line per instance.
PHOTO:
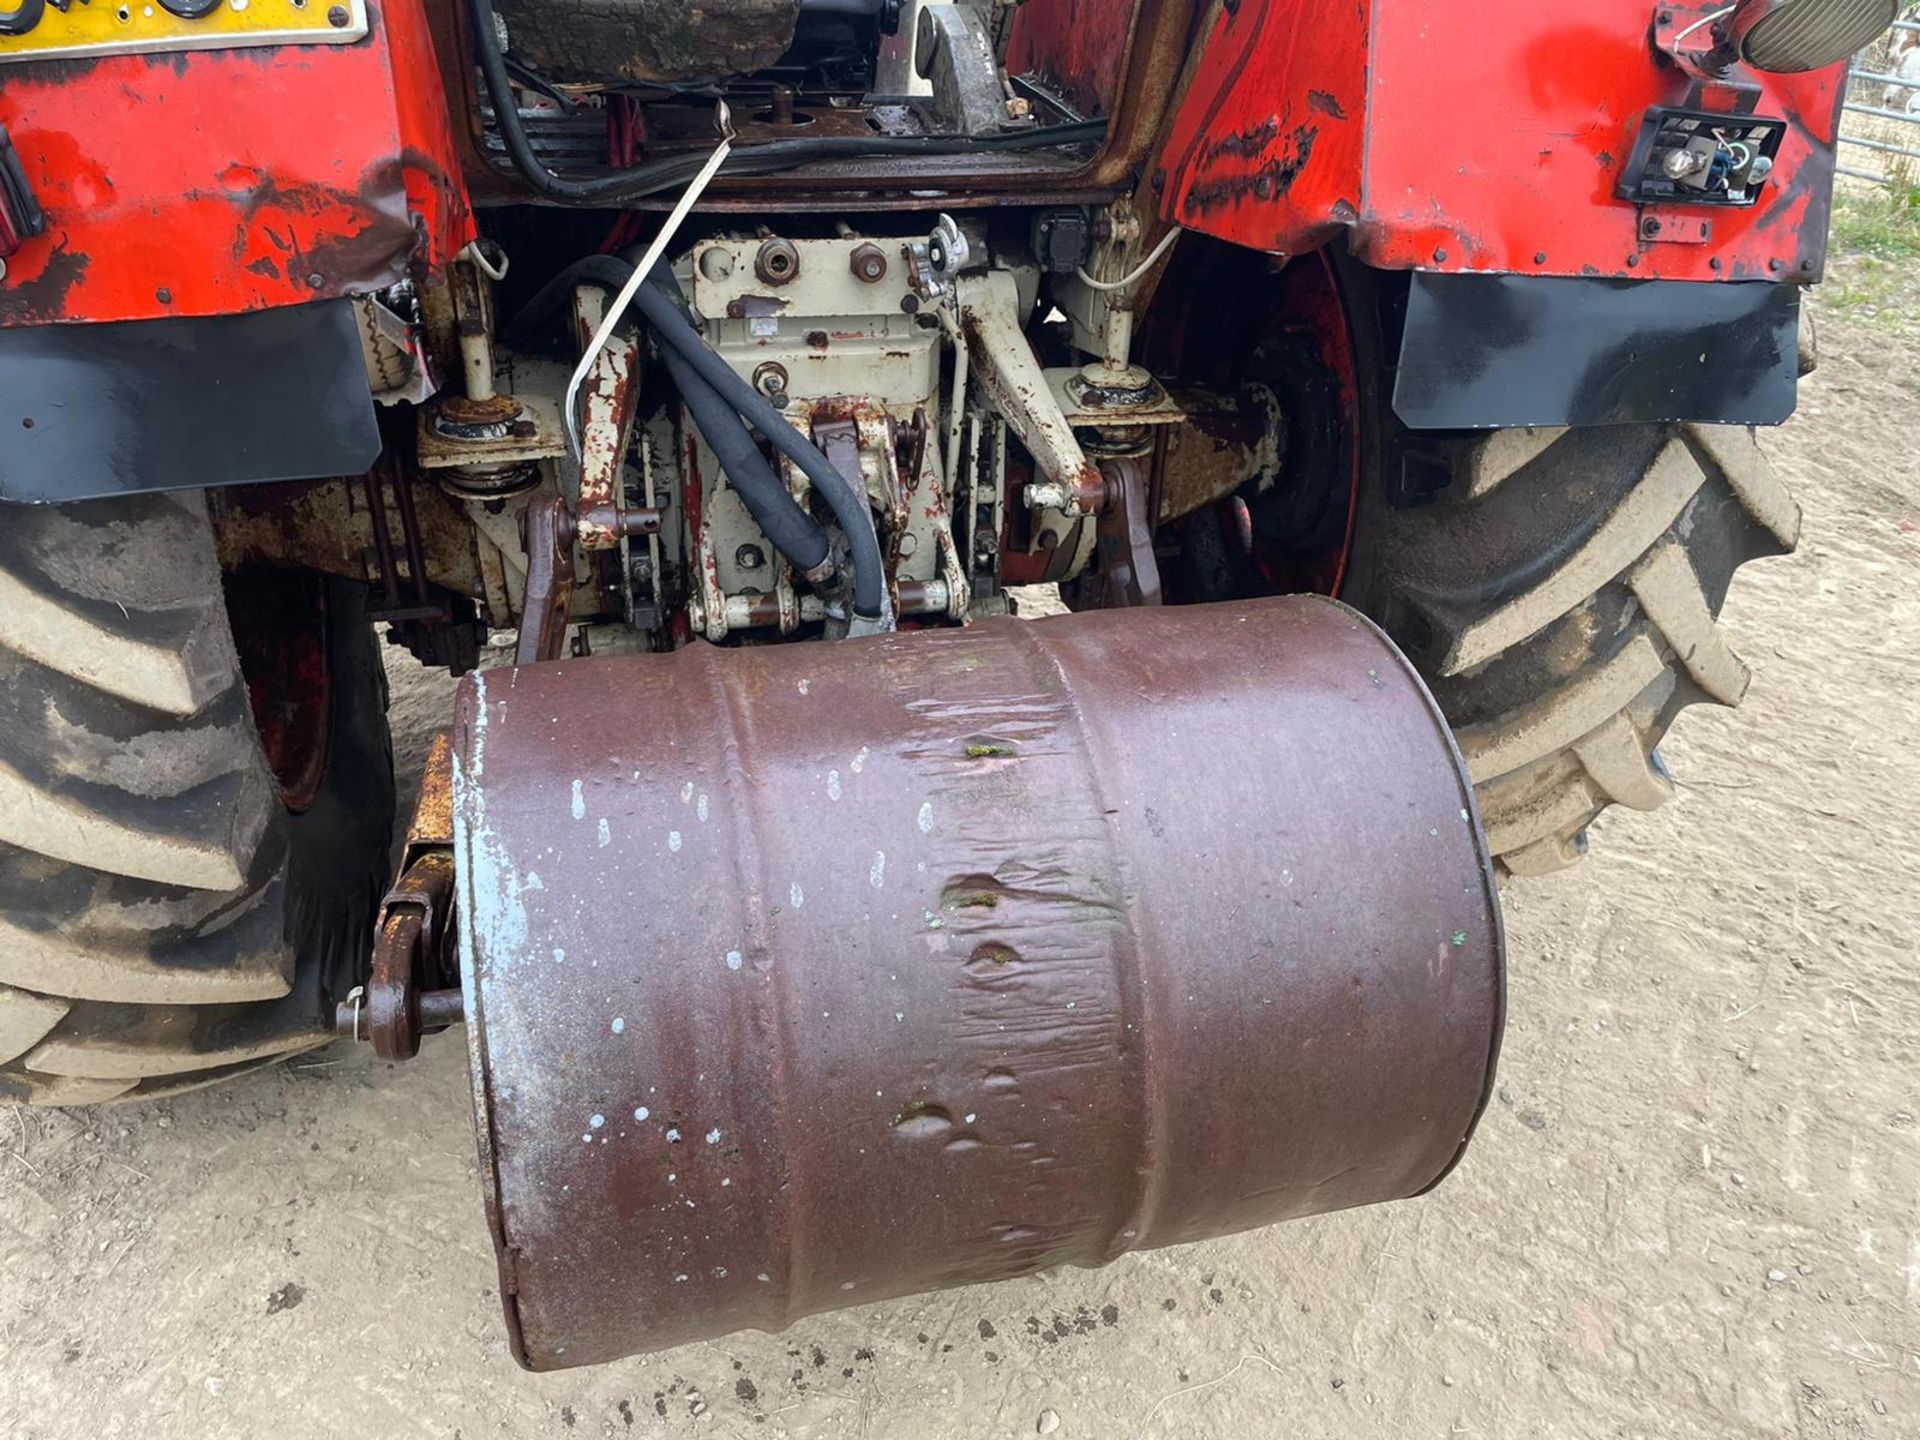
(478, 256)
(1133, 276)
(1704, 20)
(618, 307)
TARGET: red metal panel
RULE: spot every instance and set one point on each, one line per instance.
(1490, 137)
(214, 182)
(1078, 46)
(1266, 148)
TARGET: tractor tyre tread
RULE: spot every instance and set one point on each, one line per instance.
(153, 933)
(1561, 595)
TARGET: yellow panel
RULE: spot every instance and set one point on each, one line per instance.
(119, 27)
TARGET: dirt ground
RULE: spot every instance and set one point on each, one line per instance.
(1694, 1209)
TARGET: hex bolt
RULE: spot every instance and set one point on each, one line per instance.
(749, 557)
(868, 262)
(770, 379)
(1650, 227)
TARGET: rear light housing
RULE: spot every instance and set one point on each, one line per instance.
(1791, 37)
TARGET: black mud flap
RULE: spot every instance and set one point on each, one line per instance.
(88, 411)
(1484, 352)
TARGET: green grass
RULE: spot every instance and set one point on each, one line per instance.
(1884, 223)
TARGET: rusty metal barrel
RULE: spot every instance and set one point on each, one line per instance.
(806, 976)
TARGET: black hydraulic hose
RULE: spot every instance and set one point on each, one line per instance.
(788, 527)
(669, 171)
(849, 506)
(551, 300)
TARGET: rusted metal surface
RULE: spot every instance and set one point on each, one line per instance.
(432, 823)
(1129, 575)
(608, 398)
(1227, 440)
(329, 525)
(809, 976)
(409, 989)
(401, 1000)
(397, 600)
(548, 533)
(649, 39)
(1003, 359)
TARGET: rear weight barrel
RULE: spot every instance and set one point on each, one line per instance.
(807, 976)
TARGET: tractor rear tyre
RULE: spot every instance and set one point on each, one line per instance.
(192, 846)
(1559, 589)
(1561, 595)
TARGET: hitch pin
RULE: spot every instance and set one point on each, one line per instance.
(723, 118)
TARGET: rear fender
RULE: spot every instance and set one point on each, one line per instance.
(212, 182)
(1490, 137)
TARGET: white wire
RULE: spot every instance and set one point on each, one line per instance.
(486, 267)
(647, 262)
(1707, 19)
(1134, 275)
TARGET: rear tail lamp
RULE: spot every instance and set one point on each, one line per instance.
(1788, 37)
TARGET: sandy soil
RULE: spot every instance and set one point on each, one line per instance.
(1693, 1210)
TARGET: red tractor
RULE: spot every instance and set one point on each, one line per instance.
(1373, 383)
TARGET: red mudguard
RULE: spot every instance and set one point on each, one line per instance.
(1474, 137)
(225, 181)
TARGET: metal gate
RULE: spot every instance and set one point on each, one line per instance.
(1877, 119)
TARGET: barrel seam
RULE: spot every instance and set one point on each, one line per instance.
(1133, 989)
(745, 828)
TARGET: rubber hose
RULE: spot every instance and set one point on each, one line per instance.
(849, 506)
(787, 526)
(551, 299)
